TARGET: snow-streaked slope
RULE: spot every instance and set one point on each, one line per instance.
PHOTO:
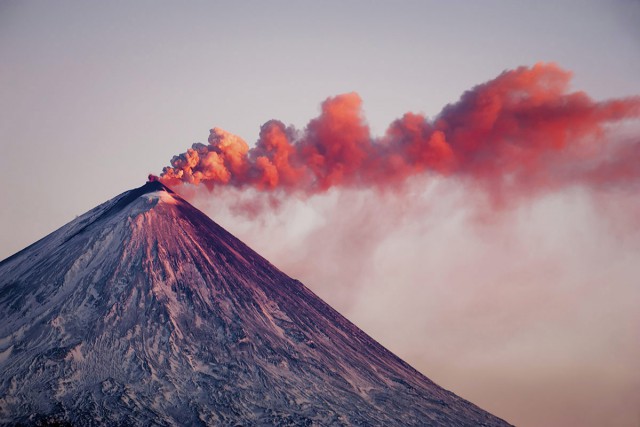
(143, 311)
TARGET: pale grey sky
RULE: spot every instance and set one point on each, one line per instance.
(95, 95)
(99, 89)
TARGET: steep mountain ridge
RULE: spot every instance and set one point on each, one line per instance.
(144, 311)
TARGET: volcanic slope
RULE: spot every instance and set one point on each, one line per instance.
(143, 311)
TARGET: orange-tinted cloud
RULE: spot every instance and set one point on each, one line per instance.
(522, 133)
(274, 157)
(337, 144)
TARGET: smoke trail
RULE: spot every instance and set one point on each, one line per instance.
(521, 133)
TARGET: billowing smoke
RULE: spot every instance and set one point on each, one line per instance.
(514, 300)
(521, 133)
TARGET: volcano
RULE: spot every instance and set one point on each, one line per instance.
(144, 311)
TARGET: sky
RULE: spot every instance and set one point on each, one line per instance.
(528, 310)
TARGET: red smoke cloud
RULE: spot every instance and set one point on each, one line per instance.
(518, 134)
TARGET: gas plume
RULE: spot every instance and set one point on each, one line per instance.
(522, 133)
(523, 136)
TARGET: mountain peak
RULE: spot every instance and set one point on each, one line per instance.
(144, 311)
(150, 186)
(154, 185)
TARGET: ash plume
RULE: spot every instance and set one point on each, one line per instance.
(517, 135)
